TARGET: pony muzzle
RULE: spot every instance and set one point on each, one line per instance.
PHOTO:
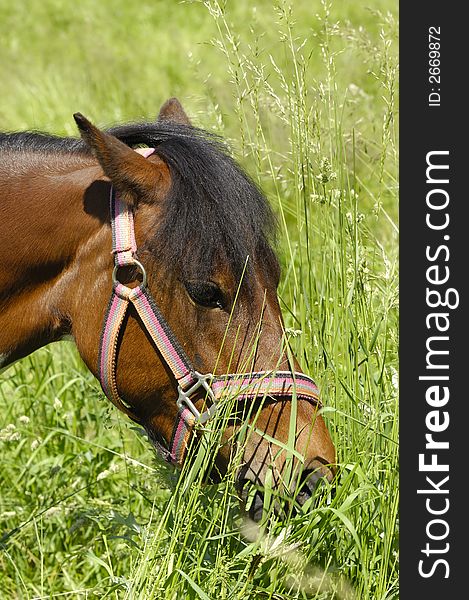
(285, 497)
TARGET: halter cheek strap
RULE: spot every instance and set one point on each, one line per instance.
(279, 384)
(124, 249)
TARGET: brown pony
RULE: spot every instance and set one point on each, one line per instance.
(203, 232)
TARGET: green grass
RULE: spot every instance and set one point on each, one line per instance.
(307, 100)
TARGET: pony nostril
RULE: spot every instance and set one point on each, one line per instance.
(252, 499)
(312, 482)
(256, 507)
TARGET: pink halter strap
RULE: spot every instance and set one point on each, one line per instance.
(279, 384)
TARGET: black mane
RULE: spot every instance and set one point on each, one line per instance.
(214, 209)
(37, 141)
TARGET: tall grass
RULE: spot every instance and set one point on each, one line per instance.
(306, 97)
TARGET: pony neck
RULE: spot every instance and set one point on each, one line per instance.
(53, 218)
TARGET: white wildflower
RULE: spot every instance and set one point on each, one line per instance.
(326, 173)
(53, 510)
(8, 514)
(293, 332)
(113, 468)
(35, 444)
(24, 419)
(57, 404)
(9, 433)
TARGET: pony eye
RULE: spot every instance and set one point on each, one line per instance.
(205, 293)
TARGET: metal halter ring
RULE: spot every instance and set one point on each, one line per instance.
(135, 263)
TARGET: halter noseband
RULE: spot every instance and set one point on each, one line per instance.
(283, 384)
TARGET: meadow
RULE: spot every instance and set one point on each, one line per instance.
(305, 94)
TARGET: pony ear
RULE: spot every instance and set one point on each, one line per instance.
(173, 111)
(135, 177)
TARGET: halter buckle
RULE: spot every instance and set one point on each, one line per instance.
(204, 381)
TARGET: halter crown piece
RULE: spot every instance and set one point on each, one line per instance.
(284, 384)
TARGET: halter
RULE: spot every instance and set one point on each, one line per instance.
(284, 384)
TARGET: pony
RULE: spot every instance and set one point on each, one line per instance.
(151, 248)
